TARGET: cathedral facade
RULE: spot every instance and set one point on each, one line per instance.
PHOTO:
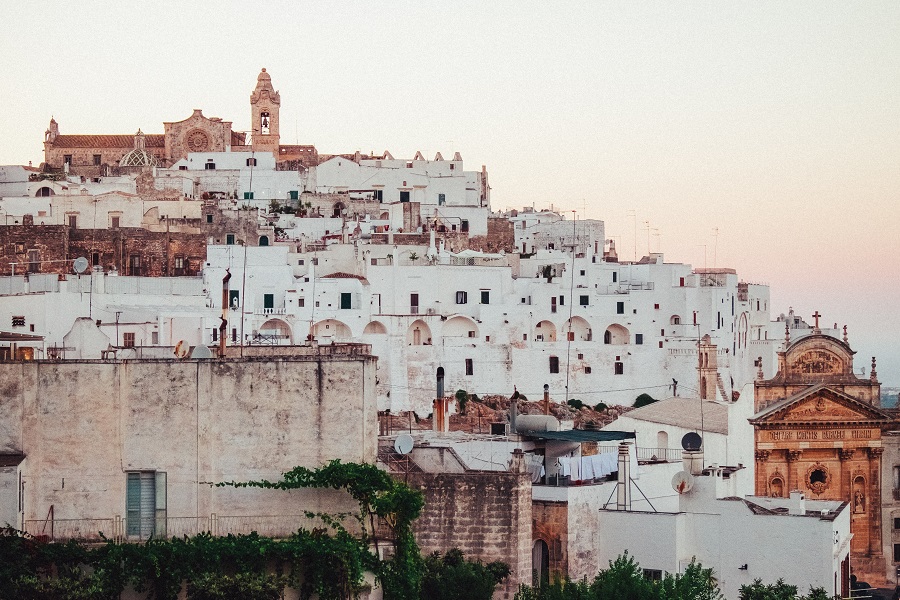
(818, 429)
(100, 155)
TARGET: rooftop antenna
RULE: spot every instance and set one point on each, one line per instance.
(715, 244)
(633, 215)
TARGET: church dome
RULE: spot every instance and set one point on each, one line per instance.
(138, 157)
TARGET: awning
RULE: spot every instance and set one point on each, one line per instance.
(581, 435)
(6, 336)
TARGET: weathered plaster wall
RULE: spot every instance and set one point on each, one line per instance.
(83, 424)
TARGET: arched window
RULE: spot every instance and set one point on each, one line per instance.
(263, 240)
(43, 192)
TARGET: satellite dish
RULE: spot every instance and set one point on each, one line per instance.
(682, 482)
(691, 442)
(181, 349)
(201, 351)
(80, 265)
(404, 443)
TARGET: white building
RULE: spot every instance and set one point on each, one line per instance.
(742, 538)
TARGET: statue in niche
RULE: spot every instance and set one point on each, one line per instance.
(859, 496)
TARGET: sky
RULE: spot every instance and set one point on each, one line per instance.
(761, 136)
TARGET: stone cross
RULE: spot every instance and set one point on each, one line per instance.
(816, 317)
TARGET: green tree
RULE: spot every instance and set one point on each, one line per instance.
(643, 400)
(462, 398)
(773, 591)
(452, 577)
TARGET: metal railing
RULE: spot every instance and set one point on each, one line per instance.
(121, 529)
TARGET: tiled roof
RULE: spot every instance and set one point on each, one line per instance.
(340, 275)
(153, 140)
(685, 413)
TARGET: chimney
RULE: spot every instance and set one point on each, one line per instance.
(797, 505)
(223, 327)
(623, 484)
(517, 463)
(441, 415)
(692, 460)
(546, 399)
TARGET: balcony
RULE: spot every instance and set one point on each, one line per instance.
(269, 311)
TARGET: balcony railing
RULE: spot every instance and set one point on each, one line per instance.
(269, 311)
(121, 529)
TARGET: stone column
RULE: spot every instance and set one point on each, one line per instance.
(762, 475)
(874, 501)
(845, 477)
(793, 478)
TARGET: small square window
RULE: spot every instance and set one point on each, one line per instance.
(485, 296)
(97, 159)
(301, 302)
(114, 222)
(620, 308)
(210, 166)
(619, 368)
(315, 261)
(462, 297)
(18, 321)
(471, 333)
(583, 300)
(587, 370)
(524, 337)
(301, 262)
(581, 272)
(580, 356)
(656, 306)
(660, 344)
(209, 218)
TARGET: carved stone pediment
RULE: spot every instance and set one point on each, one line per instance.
(820, 405)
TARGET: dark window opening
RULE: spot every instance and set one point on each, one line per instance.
(554, 364)
(404, 196)
(97, 159)
(114, 222)
(134, 264)
(619, 368)
(346, 300)
(583, 300)
(462, 297)
(639, 338)
(209, 218)
(620, 308)
(485, 296)
(210, 166)
(128, 339)
(73, 221)
(470, 369)
(464, 225)
(229, 239)
(234, 298)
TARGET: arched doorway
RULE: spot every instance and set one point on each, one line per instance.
(263, 240)
(615, 335)
(418, 334)
(540, 562)
(545, 331)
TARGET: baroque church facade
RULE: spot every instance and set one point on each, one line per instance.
(100, 155)
(818, 429)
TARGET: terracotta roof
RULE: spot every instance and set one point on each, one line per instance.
(340, 275)
(152, 140)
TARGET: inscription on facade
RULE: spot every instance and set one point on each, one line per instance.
(827, 435)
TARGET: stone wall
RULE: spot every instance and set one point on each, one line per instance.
(500, 237)
(83, 425)
(159, 253)
(551, 524)
(487, 515)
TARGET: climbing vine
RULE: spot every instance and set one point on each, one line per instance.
(328, 561)
(379, 496)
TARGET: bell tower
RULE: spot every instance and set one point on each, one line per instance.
(264, 105)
